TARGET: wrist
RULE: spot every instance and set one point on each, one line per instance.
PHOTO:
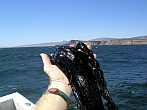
(60, 93)
(61, 86)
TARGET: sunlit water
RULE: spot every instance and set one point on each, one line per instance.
(124, 67)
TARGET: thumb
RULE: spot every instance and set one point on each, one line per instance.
(46, 62)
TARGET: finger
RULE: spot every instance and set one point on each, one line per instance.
(88, 45)
(45, 59)
(94, 56)
(46, 62)
(71, 45)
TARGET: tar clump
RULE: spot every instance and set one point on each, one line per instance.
(85, 76)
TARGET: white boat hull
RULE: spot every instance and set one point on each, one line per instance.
(15, 101)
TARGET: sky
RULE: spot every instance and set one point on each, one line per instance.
(24, 22)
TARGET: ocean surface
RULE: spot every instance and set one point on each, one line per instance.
(124, 67)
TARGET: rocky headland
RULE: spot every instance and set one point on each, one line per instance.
(98, 41)
(107, 41)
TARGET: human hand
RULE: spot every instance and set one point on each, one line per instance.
(57, 77)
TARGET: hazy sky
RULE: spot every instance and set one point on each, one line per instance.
(41, 21)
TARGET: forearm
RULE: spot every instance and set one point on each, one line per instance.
(50, 101)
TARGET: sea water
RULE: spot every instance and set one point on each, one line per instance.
(124, 67)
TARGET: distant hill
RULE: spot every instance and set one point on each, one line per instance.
(44, 44)
(138, 38)
(111, 41)
(108, 39)
(102, 39)
(97, 41)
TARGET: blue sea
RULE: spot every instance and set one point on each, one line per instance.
(124, 67)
